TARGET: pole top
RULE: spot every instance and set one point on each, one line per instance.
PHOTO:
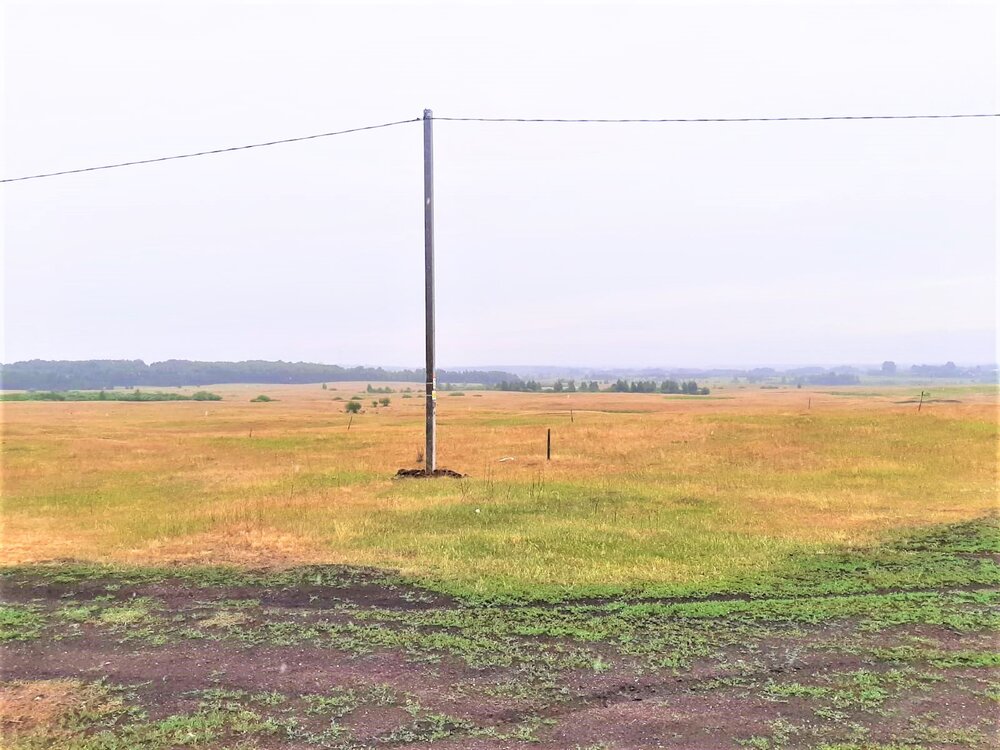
(428, 115)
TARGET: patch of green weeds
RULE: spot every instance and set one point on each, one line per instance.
(532, 686)
(336, 704)
(924, 730)
(524, 731)
(19, 623)
(599, 665)
(939, 658)
(782, 732)
(427, 726)
(224, 619)
(77, 613)
(860, 690)
(779, 691)
(127, 614)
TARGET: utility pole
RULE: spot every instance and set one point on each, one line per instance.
(430, 453)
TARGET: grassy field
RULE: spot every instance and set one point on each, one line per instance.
(761, 568)
(644, 493)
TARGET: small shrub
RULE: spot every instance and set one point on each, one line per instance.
(352, 407)
(205, 396)
(261, 399)
(384, 401)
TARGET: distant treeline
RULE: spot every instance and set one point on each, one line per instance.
(811, 375)
(688, 387)
(518, 385)
(135, 395)
(947, 370)
(94, 374)
(831, 378)
(559, 386)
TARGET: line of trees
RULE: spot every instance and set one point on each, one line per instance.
(109, 373)
(687, 387)
(517, 385)
(832, 378)
(947, 370)
(135, 395)
(570, 386)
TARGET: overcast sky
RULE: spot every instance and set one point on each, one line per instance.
(594, 244)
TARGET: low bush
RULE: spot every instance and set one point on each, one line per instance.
(206, 396)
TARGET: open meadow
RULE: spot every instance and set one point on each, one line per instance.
(764, 568)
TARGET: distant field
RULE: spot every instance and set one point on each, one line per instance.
(644, 493)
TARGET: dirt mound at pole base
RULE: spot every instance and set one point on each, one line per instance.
(423, 474)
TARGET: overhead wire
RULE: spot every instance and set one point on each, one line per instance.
(315, 136)
(211, 151)
(712, 119)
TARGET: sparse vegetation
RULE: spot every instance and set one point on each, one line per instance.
(817, 641)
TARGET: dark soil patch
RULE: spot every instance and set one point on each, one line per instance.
(356, 589)
(424, 474)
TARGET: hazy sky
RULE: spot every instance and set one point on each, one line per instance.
(667, 244)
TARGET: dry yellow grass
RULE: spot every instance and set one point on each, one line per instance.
(26, 705)
(642, 489)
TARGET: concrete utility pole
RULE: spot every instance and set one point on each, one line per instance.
(430, 453)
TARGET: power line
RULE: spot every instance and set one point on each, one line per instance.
(213, 151)
(715, 119)
(500, 120)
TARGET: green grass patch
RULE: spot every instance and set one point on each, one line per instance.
(19, 623)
